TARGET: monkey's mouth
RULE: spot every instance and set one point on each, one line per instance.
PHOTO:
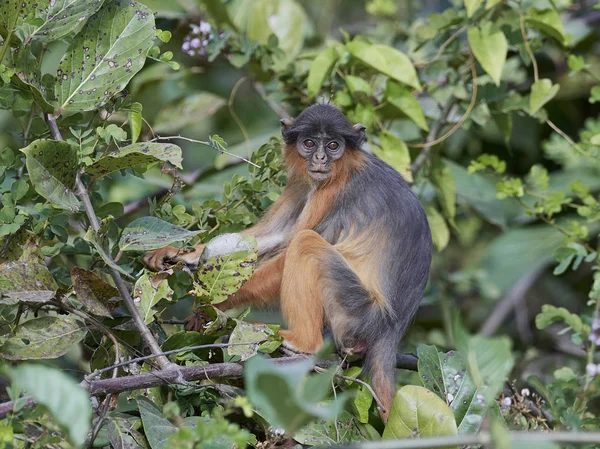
(320, 174)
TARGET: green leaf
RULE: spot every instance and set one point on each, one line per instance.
(356, 84)
(323, 433)
(538, 178)
(405, 102)
(394, 151)
(140, 154)
(445, 189)
(287, 396)
(19, 189)
(52, 167)
(68, 403)
(387, 60)
(576, 63)
(93, 292)
(595, 98)
(108, 51)
(57, 18)
(489, 361)
(472, 6)
(98, 242)
(226, 263)
(12, 13)
(542, 91)
(157, 428)
(122, 435)
(440, 233)
(418, 413)
(188, 111)
(147, 233)
(490, 48)
(251, 333)
(548, 22)
(149, 289)
(47, 337)
(218, 11)
(551, 314)
(320, 69)
(135, 123)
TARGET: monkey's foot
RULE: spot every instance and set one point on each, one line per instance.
(291, 342)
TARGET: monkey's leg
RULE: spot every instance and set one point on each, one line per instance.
(263, 286)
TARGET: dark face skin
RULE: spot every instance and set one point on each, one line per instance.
(320, 151)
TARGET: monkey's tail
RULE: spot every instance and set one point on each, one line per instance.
(380, 363)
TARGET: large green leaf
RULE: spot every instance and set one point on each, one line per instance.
(489, 47)
(445, 188)
(148, 291)
(287, 396)
(542, 91)
(52, 166)
(13, 13)
(403, 100)
(157, 428)
(321, 433)
(68, 403)
(139, 154)
(320, 69)
(226, 263)
(47, 337)
(387, 60)
(104, 55)
(147, 233)
(394, 151)
(188, 111)
(23, 273)
(248, 333)
(547, 21)
(122, 435)
(440, 233)
(57, 18)
(417, 412)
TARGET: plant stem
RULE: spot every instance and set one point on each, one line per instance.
(147, 336)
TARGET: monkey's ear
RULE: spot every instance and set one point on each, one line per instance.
(286, 123)
(360, 130)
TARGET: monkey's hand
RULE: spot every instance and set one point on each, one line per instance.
(162, 258)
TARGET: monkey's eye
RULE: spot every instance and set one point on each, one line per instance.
(333, 145)
(309, 143)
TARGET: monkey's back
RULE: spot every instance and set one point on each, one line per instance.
(379, 221)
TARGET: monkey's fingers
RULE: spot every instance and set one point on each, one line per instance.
(161, 258)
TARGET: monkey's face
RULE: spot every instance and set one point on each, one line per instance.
(320, 152)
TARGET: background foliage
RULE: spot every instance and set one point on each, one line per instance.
(127, 126)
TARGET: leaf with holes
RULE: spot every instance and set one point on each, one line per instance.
(148, 291)
(47, 337)
(387, 60)
(23, 273)
(542, 91)
(418, 412)
(57, 18)
(68, 403)
(12, 14)
(226, 263)
(93, 292)
(52, 167)
(140, 154)
(490, 48)
(147, 233)
(406, 103)
(104, 55)
(250, 333)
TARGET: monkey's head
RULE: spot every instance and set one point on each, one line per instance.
(322, 135)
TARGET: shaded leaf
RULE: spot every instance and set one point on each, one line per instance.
(490, 48)
(320, 69)
(57, 18)
(52, 167)
(440, 233)
(551, 314)
(326, 433)
(248, 333)
(157, 428)
(387, 60)
(93, 292)
(394, 151)
(96, 240)
(417, 412)
(147, 233)
(226, 263)
(187, 112)
(140, 154)
(47, 337)
(68, 403)
(104, 55)
(548, 22)
(445, 188)
(122, 435)
(403, 100)
(149, 289)
(542, 91)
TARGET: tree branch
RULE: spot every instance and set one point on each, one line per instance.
(147, 336)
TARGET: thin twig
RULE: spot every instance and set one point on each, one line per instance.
(202, 142)
(272, 104)
(527, 47)
(235, 117)
(567, 138)
(145, 333)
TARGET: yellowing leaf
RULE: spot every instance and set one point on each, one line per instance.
(439, 229)
(542, 91)
(319, 70)
(472, 6)
(417, 412)
(490, 48)
(394, 151)
(387, 60)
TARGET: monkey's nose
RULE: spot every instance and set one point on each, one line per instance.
(320, 157)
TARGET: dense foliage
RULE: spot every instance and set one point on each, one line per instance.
(111, 114)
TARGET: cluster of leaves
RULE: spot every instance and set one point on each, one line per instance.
(61, 276)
